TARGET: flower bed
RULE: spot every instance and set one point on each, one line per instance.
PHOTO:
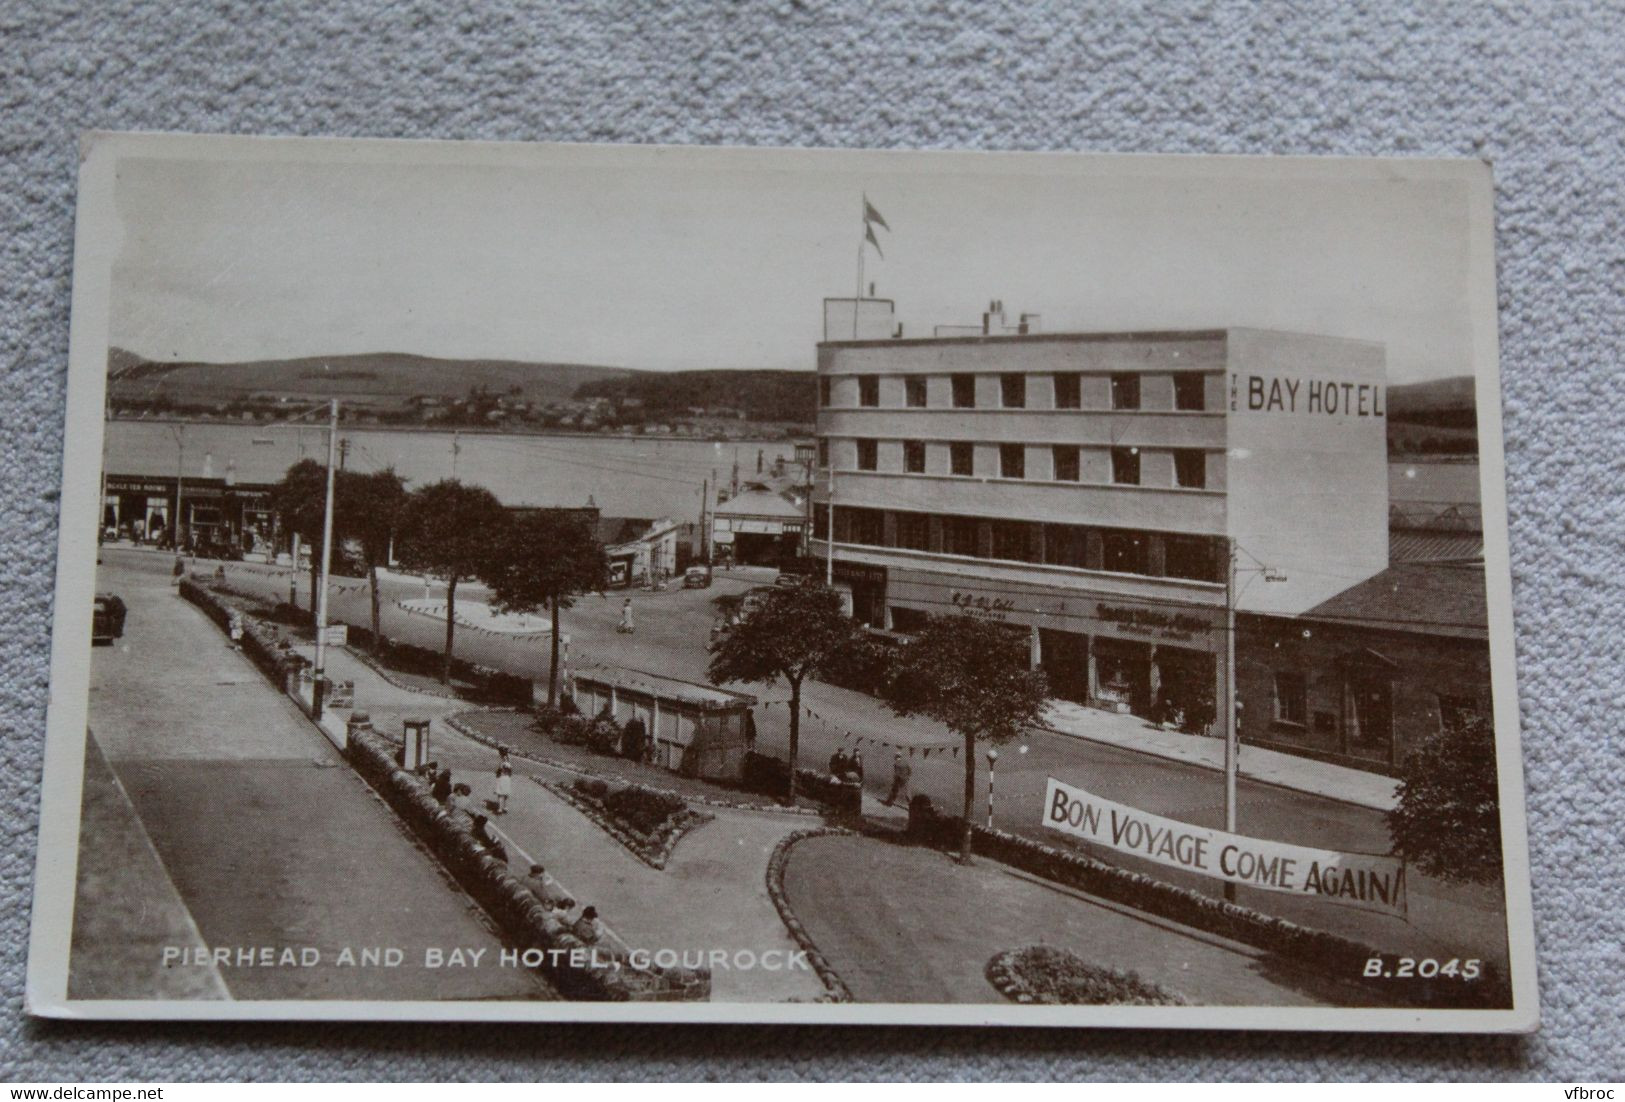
(579, 970)
(1059, 977)
(648, 822)
(1307, 946)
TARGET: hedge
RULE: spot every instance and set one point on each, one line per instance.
(1330, 953)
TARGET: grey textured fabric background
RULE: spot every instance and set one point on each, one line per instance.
(1535, 88)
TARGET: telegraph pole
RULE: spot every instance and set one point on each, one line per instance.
(318, 684)
(705, 530)
(1231, 750)
(180, 478)
(829, 540)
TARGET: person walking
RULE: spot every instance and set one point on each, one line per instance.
(625, 626)
(179, 571)
(442, 787)
(901, 773)
(504, 782)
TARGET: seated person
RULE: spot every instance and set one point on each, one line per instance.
(586, 927)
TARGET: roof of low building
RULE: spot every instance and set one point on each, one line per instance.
(1426, 598)
(760, 502)
(1435, 547)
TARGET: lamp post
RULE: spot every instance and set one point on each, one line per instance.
(318, 684)
(992, 760)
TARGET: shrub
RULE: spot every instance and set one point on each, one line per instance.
(546, 718)
(572, 730)
(592, 786)
(642, 809)
(635, 738)
(1448, 819)
(567, 705)
(604, 735)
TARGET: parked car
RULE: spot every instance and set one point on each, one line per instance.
(697, 577)
(106, 619)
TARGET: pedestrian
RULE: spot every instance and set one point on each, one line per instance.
(855, 766)
(442, 787)
(901, 772)
(586, 927)
(504, 783)
(625, 626)
(179, 571)
(460, 801)
(236, 630)
(837, 763)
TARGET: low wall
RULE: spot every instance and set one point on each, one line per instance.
(1330, 953)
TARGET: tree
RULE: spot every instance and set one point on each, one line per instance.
(372, 507)
(543, 560)
(448, 529)
(789, 632)
(969, 672)
(1447, 822)
(299, 502)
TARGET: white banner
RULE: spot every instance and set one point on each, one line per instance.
(1366, 881)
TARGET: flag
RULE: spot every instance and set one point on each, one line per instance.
(870, 214)
(869, 235)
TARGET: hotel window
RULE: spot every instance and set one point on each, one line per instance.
(1190, 468)
(1126, 466)
(1123, 552)
(824, 390)
(1126, 391)
(913, 531)
(868, 390)
(959, 535)
(1012, 540)
(1068, 391)
(1190, 391)
(914, 389)
(914, 456)
(1190, 557)
(867, 452)
(1066, 463)
(1013, 391)
(823, 451)
(964, 391)
(1064, 545)
(962, 458)
(1012, 461)
(1291, 699)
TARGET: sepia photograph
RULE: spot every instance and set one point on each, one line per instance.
(574, 582)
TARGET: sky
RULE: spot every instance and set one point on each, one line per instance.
(667, 259)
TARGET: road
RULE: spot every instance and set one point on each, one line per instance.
(268, 837)
(672, 631)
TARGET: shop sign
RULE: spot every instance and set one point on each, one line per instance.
(1365, 881)
(1153, 622)
(138, 486)
(996, 607)
(860, 573)
(1286, 394)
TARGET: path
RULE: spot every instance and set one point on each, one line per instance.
(712, 894)
(929, 936)
(269, 837)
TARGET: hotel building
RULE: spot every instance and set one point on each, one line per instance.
(1090, 487)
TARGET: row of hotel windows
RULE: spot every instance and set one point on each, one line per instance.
(1190, 464)
(1190, 391)
(1118, 550)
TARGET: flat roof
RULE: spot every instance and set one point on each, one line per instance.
(1040, 338)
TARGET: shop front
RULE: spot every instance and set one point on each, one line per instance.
(1155, 658)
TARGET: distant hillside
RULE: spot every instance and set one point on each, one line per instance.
(761, 395)
(381, 378)
(1444, 402)
(1438, 417)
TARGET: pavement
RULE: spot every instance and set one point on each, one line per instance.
(1120, 758)
(264, 833)
(1300, 774)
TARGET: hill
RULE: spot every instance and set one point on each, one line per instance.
(379, 378)
(1438, 417)
(758, 394)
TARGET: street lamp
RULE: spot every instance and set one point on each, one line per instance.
(992, 760)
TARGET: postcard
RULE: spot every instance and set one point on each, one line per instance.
(569, 582)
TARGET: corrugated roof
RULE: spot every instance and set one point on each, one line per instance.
(1458, 547)
(1431, 599)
